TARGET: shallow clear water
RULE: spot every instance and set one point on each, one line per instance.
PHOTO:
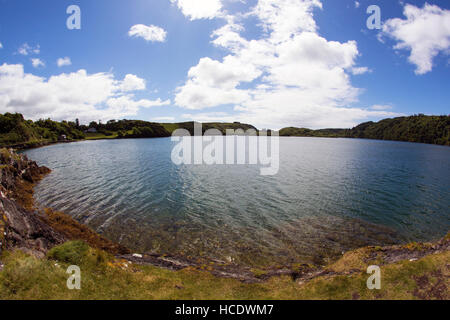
(330, 195)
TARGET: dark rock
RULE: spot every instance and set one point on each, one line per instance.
(25, 230)
(21, 228)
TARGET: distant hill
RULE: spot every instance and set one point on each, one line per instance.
(144, 129)
(17, 132)
(221, 126)
(417, 128)
(304, 132)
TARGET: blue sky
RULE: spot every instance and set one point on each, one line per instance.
(305, 63)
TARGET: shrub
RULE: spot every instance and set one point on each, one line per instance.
(73, 252)
(80, 254)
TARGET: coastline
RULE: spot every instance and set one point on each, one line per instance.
(25, 146)
(415, 129)
(48, 229)
(34, 145)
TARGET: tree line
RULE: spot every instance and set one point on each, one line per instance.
(15, 130)
(416, 128)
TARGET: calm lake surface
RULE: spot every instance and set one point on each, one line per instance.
(330, 195)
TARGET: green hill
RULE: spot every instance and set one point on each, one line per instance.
(304, 132)
(420, 128)
(221, 126)
(15, 131)
(417, 128)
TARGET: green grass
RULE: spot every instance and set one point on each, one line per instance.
(103, 277)
(72, 252)
(99, 136)
(170, 127)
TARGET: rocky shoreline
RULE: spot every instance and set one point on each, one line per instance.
(22, 228)
(30, 229)
(35, 231)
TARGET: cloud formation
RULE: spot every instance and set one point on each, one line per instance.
(61, 62)
(199, 9)
(289, 76)
(26, 49)
(381, 107)
(71, 95)
(36, 62)
(148, 33)
(425, 33)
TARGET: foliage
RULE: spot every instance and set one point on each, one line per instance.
(72, 252)
(304, 132)
(417, 128)
(15, 130)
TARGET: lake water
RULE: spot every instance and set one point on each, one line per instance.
(329, 196)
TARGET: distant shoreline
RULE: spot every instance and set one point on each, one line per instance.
(18, 133)
(23, 147)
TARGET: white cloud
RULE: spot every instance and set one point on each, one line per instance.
(425, 33)
(360, 70)
(357, 4)
(1, 45)
(213, 83)
(61, 62)
(127, 105)
(149, 33)
(26, 49)
(36, 62)
(285, 18)
(208, 117)
(199, 9)
(288, 76)
(227, 74)
(228, 37)
(70, 95)
(381, 107)
(132, 83)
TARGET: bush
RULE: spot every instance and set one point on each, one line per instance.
(73, 252)
(80, 254)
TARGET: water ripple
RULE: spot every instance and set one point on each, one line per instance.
(329, 195)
